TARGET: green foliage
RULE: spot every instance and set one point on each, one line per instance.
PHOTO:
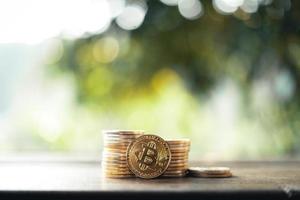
(124, 72)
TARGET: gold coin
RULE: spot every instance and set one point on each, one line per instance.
(116, 145)
(112, 154)
(118, 176)
(115, 169)
(114, 160)
(119, 138)
(107, 161)
(179, 154)
(179, 157)
(174, 175)
(117, 142)
(183, 160)
(178, 165)
(121, 164)
(175, 172)
(116, 172)
(112, 165)
(177, 168)
(213, 175)
(179, 145)
(180, 151)
(112, 150)
(120, 158)
(123, 132)
(183, 173)
(176, 141)
(115, 150)
(109, 171)
(210, 172)
(148, 156)
(172, 163)
(179, 162)
(174, 160)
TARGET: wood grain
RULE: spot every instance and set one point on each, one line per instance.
(83, 180)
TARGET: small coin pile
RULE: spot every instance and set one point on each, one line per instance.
(210, 172)
(114, 164)
(135, 154)
(179, 157)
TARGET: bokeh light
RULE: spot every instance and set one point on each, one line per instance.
(190, 9)
(250, 6)
(33, 21)
(116, 7)
(227, 6)
(170, 2)
(106, 49)
(132, 16)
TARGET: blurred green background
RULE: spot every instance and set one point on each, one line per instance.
(224, 73)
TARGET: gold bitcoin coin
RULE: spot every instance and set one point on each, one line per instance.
(148, 156)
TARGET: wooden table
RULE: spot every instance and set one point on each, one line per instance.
(83, 180)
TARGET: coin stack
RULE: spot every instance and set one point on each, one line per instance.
(114, 164)
(179, 157)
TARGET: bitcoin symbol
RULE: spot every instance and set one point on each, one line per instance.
(148, 156)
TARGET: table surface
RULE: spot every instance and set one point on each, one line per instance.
(83, 180)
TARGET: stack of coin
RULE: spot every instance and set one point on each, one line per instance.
(179, 157)
(114, 164)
